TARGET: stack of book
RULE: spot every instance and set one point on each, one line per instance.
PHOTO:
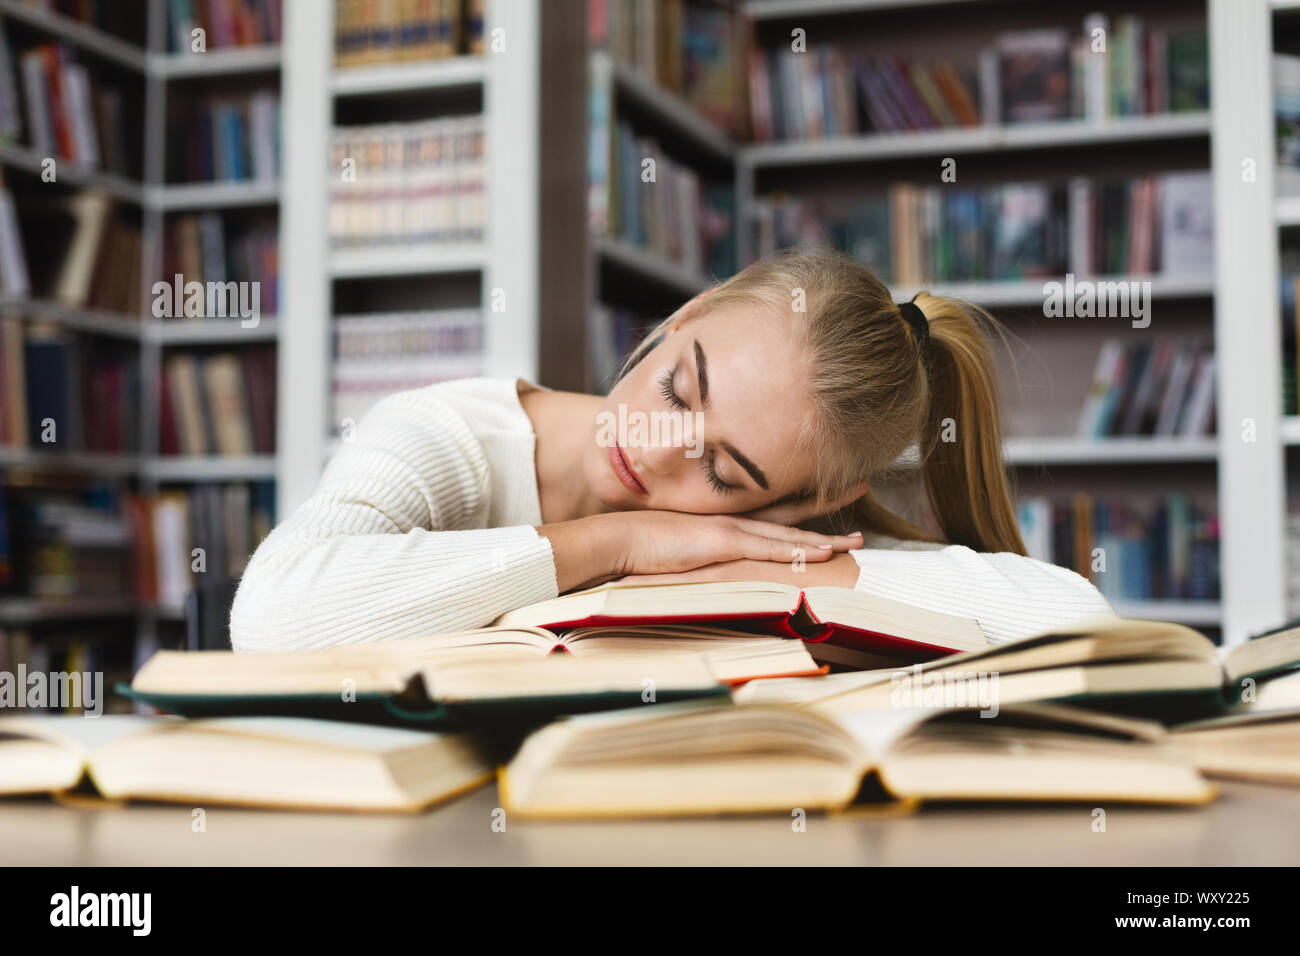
(408, 183)
(1024, 77)
(227, 139)
(61, 543)
(367, 33)
(634, 700)
(65, 393)
(1163, 388)
(218, 404)
(376, 355)
(225, 24)
(70, 113)
(226, 522)
(202, 249)
(689, 49)
(1150, 225)
(1166, 552)
(641, 195)
(80, 251)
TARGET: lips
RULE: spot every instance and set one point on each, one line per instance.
(631, 481)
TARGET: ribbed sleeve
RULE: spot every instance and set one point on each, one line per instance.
(393, 542)
(1011, 596)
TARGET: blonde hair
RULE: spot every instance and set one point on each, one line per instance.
(877, 390)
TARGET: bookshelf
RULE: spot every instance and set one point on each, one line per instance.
(322, 282)
(156, 194)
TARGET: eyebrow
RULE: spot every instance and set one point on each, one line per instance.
(754, 471)
(702, 373)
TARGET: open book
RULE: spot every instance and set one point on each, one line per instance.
(698, 758)
(1257, 745)
(860, 630)
(1144, 667)
(448, 680)
(253, 761)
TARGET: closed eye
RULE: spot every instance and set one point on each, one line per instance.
(667, 390)
(711, 476)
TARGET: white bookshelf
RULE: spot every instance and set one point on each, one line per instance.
(450, 73)
(229, 62)
(407, 260)
(72, 174)
(976, 139)
(1110, 451)
(509, 84)
(76, 34)
(650, 266)
(1252, 480)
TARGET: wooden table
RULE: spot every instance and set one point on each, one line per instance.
(1248, 825)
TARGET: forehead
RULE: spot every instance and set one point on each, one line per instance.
(758, 390)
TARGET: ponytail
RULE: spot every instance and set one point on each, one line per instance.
(961, 450)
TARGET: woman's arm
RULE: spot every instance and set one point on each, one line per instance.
(391, 544)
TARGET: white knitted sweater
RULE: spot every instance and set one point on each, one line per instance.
(425, 523)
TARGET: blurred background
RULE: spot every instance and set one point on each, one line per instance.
(228, 227)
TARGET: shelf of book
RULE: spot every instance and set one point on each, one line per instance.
(219, 62)
(648, 265)
(406, 260)
(668, 109)
(112, 324)
(976, 139)
(449, 73)
(210, 331)
(79, 462)
(199, 468)
(1190, 613)
(70, 173)
(216, 195)
(782, 9)
(17, 611)
(1109, 451)
(75, 33)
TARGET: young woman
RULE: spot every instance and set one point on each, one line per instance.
(458, 502)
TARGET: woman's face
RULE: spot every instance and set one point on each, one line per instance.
(707, 422)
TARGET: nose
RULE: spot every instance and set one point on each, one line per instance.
(660, 460)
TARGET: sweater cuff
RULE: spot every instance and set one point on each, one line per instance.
(517, 559)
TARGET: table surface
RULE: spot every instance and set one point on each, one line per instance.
(1250, 824)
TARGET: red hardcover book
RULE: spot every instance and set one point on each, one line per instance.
(857, 629)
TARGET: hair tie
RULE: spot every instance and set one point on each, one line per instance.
(914, 317)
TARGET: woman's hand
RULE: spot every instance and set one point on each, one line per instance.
(839, 571)
(593, 549)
